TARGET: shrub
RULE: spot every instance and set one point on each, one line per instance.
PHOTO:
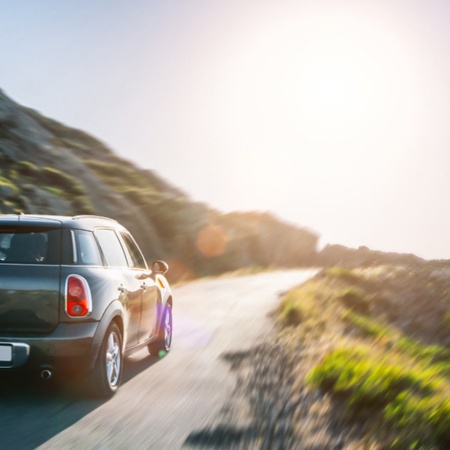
(291, 314)
(299, 305)
(27, 168)
(355, 299)
(55, 191)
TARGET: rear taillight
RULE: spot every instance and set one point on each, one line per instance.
(78, 296)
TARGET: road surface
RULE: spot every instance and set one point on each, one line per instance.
(161, 401)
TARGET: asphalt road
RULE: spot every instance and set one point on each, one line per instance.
(161, 401)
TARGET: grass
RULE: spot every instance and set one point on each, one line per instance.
(343, 273)
(394, 339)
(406, 394)
(10, 185)
(291, 313)
(397, 385)
(446, 320)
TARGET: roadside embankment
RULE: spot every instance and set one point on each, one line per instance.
(359, 359)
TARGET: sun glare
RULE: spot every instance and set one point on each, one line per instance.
(332, 95)
(324, 80)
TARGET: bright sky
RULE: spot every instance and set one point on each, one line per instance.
(334, 115)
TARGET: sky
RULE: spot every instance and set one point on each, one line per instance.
(333, 115)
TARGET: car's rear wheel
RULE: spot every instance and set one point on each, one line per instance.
(107, 373)
(162, 345)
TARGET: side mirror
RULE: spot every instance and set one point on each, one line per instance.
(159, 266)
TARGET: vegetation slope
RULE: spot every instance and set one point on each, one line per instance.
(370, 349)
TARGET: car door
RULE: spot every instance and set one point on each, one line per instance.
(125, 277)
(147, 326)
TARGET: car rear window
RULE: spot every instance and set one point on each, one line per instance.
(30, 245)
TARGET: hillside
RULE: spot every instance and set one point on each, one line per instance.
(47, 167)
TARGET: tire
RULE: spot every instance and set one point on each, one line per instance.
(163, 343)
(107, 373)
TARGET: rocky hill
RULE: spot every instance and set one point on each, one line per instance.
(47, 167)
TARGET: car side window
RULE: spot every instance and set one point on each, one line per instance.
(5, 243)
(111, 248)
(137, 260)
(88, 253)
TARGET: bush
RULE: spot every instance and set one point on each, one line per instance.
(291, 314)
(355, 299)
(27, 168)
(299, 305)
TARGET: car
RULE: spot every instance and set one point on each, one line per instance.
(77, 296)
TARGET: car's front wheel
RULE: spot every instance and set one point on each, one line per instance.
(107, 373)
(162, 345)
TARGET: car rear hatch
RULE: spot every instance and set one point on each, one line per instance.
(30, 253)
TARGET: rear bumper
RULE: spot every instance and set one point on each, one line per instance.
(70, 347)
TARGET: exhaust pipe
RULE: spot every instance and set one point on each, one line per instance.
(46, 374)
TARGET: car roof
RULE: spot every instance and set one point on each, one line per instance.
(85, 222)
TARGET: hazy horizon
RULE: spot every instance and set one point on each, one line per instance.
(333, 115)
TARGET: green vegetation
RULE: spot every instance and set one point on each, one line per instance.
(25, 179)
(66, 182)
(343, 273)
(27, 169)
(367, 325)
(394, 384)
(406, 393)
(55, 191)
(355, 298)
(9, 185)
(4, 131)
(291, 310)
(118, 174)
(446, 320)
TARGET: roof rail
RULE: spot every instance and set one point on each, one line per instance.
(93, 216)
